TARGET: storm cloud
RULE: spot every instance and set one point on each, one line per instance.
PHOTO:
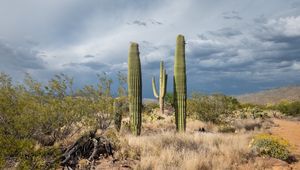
(231, 47)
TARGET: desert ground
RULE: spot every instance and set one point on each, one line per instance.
(160, 147)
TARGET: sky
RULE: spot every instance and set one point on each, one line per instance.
(232, 46)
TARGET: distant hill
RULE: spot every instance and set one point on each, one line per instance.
(273, 96)
(149, 100)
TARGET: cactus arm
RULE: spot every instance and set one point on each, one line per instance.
(154, 88)
(164, 84)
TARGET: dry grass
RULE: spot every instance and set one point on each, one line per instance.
(160, 147)
(247, 124)
(190, 151)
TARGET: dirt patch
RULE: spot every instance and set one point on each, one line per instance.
(289, 130)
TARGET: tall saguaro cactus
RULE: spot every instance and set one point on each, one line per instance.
(162, 86)
(135, 89)
(180, 84)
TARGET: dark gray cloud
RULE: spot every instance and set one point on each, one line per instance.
(145, 22)
(140, 23)
(155, 22)
(295, 4)
(233, 52)
(93, 65)
(267, 54)
(227, 32)
(232, 15)
(88, 56)
(19, 57)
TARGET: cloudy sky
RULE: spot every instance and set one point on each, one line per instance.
(233, 46)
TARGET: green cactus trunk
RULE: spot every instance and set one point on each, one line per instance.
(118, 111)
(162, 87)
(180, 85)
(135, 89)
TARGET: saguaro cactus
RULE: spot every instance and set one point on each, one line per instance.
(180, 84)
(162, 86)
(118, 111)
(135, 89)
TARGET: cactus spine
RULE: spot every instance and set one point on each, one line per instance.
(162, 86)
(180, 84)
(135, 89)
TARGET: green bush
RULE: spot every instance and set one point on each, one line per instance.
(210, 108)
(169, 98)
(34, 113)
(270, 145)
(26, 154)
(252, 112)
(288, 108)
(149, 107)
(120, 108)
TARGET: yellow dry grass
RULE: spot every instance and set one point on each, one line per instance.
(168, 150)
(160, 147)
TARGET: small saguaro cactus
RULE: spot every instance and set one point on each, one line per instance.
(180, 84)
(163, 77)
(118, 109)
(134, 80)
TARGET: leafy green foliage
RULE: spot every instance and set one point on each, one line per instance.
(33, 113)
(288, 108)
(169, 98)
(252, 112)
(210, 108)
(120, 109)
(149, 107)
(270, 145)
(25, 152)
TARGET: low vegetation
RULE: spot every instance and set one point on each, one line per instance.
(211, 108)
(169, 150)
(288, 108)
(39, 120)
(269, 145)
(34, 115)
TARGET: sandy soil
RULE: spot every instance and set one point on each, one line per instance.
(289, 130)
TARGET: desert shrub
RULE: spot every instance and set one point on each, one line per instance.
(113, 136)
(169, 99)
(288, 108)
(270, 145)
(33, 112)
(117, 115)
(251, 105)
(25, 152)
(210, 108)
(252, 111)
(152, 117)
(149, 107)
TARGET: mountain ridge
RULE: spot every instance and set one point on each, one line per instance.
(271, 96)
